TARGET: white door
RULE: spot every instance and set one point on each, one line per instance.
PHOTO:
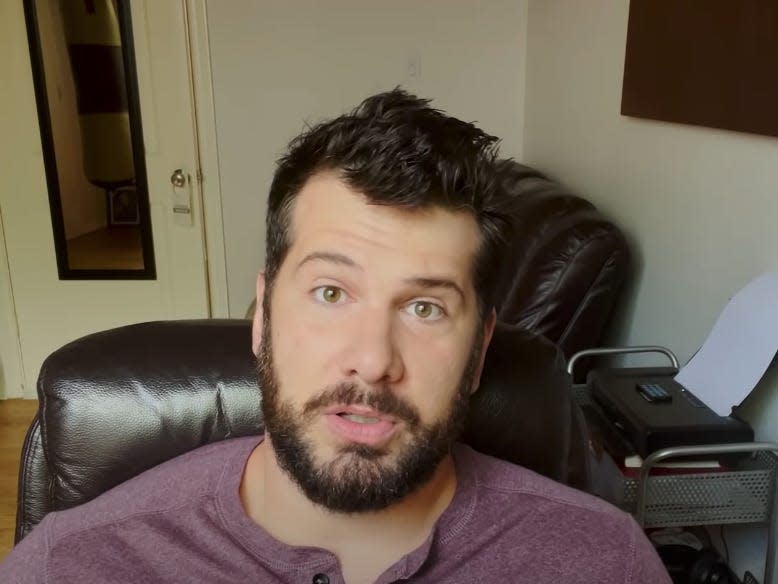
(47, 311)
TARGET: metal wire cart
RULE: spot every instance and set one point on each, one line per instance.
(741, 492)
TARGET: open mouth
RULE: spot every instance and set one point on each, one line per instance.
(360, 414)
(359, 419)
(360, 424)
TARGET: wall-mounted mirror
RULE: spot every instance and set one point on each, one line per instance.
(88, 109)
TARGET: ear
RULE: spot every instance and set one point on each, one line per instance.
(489, 325)
(256, 327)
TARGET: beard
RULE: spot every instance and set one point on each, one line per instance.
(360, 478)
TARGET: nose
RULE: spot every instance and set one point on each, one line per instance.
(374, 353)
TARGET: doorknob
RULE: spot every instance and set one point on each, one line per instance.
(182, 197)
(178, 178)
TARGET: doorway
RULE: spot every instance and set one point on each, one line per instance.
(61, 293)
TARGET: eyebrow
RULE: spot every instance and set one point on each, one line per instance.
(331, 257)
(437, 283)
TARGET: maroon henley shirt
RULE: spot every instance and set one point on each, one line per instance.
(183, 521)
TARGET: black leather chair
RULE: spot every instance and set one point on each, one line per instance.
(116, 403)
(566, 264)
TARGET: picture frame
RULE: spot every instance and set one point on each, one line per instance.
(123, 207)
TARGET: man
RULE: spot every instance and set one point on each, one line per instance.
(374, 316)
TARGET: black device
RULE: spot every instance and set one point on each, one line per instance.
(654, 411)
(687, 565)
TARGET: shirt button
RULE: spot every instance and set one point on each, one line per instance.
(321, 579)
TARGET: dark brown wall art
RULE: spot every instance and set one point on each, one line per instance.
(703, 62)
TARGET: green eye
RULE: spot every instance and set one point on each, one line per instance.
(423, 309)
(330, 294)
(426, 310)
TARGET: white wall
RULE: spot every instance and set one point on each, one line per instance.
(279, 64)
(700, 206)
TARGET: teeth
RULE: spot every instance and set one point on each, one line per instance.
(360, 419)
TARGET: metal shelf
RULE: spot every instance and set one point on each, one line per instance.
(741, 492)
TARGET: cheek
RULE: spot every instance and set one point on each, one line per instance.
(302, 351)
(436, 370)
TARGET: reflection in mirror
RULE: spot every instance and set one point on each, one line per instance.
(86, 90)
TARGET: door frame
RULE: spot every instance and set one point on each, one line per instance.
(208, 176)
(11, 380)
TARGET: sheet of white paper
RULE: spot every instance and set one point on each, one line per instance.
(738, 350)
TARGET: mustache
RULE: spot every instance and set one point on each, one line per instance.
(382, 399)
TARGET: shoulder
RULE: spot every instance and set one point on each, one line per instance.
(173, 484)
(127, 524)
(532, 521)
(501, 477)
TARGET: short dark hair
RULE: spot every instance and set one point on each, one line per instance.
(398, 151)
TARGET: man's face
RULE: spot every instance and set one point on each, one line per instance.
(369, 345)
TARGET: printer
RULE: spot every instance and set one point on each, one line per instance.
(654, 411)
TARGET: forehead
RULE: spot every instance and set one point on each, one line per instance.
(328, 214)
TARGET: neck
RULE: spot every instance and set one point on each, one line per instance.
(275, 502)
